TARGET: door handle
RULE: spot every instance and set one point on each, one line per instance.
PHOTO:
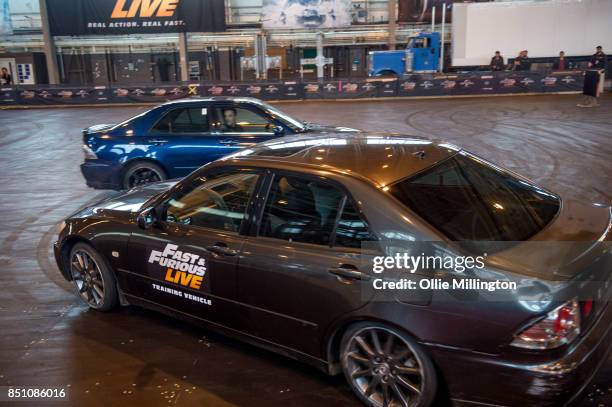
(348, 271)
(221, 249)
(228, 142)
(158, 141)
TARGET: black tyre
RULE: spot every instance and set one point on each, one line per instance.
(92, 277)
(387, 368)
(142, 173)
(386, 74)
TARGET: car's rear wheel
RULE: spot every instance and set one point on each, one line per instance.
(142, 173)
(387, 368)
(94, 281)
(386, 74)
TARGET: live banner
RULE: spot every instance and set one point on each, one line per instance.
(107, 17)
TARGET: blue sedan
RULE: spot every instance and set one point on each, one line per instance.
(175, 138)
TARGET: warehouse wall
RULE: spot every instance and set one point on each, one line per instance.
(577, 26)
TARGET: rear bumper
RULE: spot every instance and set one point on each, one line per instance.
(492, 380)
(102, 174)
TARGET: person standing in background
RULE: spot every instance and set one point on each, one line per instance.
(562, 63)
(497, 62)
(599, 59)
(522, 63)
(594, 78)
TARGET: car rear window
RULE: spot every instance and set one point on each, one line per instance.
(468, 199)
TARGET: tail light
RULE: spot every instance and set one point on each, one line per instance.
(587, 307)
(559, 327)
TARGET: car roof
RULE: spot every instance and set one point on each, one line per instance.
(382, 158)
(214, 99)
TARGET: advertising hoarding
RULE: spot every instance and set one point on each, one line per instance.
(306, 13)
(6, 28)
(104, 17)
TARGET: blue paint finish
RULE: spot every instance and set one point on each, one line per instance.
(118, 146)
(381, 62)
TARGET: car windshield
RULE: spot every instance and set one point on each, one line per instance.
(290, 121)
(468, 199)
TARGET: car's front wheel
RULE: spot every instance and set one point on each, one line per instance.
(142, 173)
(387, 368)
(94, 281)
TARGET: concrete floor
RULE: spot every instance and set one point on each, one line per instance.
(48, 338)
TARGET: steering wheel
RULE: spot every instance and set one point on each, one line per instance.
(221, 205)
(218, 199)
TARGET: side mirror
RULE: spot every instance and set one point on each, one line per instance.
(279, 130)
(147, 218)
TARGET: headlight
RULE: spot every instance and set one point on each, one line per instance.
(559, 327)
(89, 154)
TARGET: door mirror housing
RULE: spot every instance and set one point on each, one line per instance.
(147, 218)
(279, 130)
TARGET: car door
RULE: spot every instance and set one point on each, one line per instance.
(182, 139)
(187, 260)
(302, 270)
(240, 125)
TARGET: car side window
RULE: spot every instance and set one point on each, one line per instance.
(217, 202)
(233, 119)
(184, 120)
(352, 230)
(300, 210)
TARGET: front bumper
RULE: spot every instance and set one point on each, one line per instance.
(484, 379)
(102, 174)
(58, 259)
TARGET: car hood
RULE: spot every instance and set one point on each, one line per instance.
(124, 203)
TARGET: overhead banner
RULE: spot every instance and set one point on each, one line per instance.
(104, 17)
(6, 28)
(420, 11)
(306, 13)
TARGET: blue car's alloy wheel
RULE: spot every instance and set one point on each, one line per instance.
(142, 173)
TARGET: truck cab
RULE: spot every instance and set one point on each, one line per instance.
(422, 54)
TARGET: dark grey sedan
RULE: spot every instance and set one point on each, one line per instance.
(418, 270)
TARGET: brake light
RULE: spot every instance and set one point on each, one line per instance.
(587, 307)
(559, 327)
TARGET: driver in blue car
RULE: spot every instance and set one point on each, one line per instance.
(229, 121)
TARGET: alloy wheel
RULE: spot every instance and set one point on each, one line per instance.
(384, 368)
(142, 176)
(87, 278)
